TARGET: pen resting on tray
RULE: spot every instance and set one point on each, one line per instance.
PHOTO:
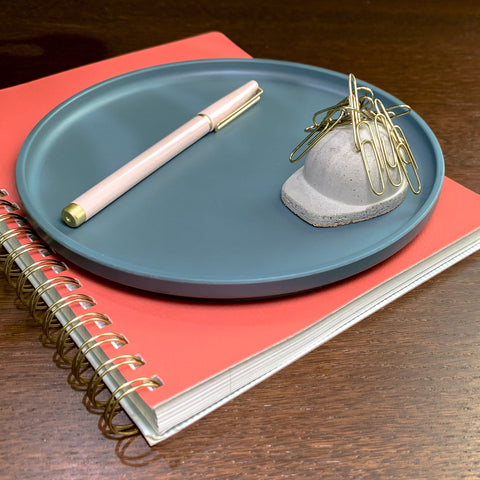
(214, 117)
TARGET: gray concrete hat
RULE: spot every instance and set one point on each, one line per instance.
(332, 188)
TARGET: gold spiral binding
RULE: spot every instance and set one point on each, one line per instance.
(57, 306)
(112, 407)
(5, 217)
(64, 339)
(23, 289)
(11, 269)
(86, 347)
(33, 297)
(37, 304)
(96, 380)
(8, 205)
(13, 233)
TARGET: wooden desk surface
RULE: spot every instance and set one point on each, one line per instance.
(396, 396)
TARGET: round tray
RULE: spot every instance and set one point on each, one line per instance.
(210, 223)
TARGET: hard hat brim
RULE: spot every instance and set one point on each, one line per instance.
(320, 211)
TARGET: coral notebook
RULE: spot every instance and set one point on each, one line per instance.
(166, 361)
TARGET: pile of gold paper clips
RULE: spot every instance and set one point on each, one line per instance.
(368, 117)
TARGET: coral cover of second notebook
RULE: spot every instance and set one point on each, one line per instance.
(185, 342)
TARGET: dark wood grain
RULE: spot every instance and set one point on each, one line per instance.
(395, 397)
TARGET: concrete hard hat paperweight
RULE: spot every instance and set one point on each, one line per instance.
(358, 163)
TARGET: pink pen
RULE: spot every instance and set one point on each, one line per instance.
(214, 117)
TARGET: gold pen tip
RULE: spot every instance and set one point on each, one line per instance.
(74, 215)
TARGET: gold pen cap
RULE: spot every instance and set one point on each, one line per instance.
(74, 215)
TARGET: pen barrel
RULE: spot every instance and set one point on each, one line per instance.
(122, 180)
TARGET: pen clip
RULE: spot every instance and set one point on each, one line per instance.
(250, 102)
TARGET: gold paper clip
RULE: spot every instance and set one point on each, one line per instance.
(389, 157)
(319, 130)
(404, 153)
(371, 141)
(368, 116)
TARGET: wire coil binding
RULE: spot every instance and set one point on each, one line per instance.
(47, 316)
(79, 360)
(37, 304)
(25, 288)
(64, 339)
(14, 233)
(96, 384)
(10, 268)
(50, 315)
(112, 407)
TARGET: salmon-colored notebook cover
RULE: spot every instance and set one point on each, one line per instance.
(201, 354)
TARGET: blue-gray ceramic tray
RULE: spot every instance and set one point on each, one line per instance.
(210, 223)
